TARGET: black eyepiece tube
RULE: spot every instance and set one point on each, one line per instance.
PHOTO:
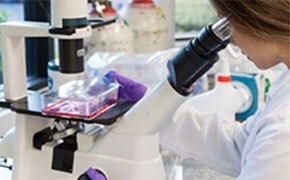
(187, 66)
(207, 42)
(198, 56)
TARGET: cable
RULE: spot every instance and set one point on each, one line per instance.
(99, 22)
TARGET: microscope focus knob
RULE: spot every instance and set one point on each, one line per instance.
(93, 174)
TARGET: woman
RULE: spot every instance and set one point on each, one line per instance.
(258, 149)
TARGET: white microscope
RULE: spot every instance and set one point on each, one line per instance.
(129, 149)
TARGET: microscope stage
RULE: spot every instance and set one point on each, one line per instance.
(31, 105)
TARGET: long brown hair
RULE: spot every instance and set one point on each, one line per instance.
(264, 19)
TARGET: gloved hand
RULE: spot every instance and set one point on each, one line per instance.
(129, 90)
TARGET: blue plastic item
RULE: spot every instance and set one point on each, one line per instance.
(249, 83)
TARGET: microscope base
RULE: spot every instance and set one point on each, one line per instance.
(119, 156)
(115, 168)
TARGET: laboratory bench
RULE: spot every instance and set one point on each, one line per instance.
(191, 169)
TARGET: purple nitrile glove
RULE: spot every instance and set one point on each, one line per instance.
(95, 175)
(129, 90)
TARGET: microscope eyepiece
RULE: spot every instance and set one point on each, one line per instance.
(198, 56)
(222, 29)
(213, 38)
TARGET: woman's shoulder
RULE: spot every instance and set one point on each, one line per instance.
(273, 116)
(279, 106)
(278, 101)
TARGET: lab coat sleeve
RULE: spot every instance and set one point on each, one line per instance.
(269, 157)
(207, 137)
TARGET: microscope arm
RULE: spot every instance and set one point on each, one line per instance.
(13, 53)
(152, 112)
(156, 109)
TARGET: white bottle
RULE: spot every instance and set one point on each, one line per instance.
(111, 38)
(148, 24)
(168, 7)
(223, 98)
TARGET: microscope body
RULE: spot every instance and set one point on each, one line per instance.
(127, 150)
(118, 160)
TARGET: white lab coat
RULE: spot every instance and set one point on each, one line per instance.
(258, 149)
